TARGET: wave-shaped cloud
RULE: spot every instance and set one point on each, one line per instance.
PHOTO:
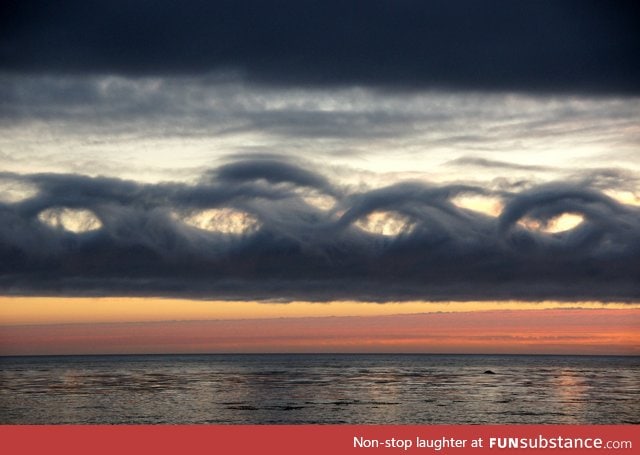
(139, 241)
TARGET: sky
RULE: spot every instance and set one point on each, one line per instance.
(301, 176)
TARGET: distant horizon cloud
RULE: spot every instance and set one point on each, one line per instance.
(79, 235)
(551, 331)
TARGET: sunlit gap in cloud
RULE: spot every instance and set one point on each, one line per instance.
(12, 191)
(321, 201)
(222, 220)
(561, 223)
(73, 220)
(624, 197)
(389, 224)
(488, 205)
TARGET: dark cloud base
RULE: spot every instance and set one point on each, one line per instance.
(545, 46)
(302, 252)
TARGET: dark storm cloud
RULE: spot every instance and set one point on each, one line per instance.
(300, 251)
(567, 45)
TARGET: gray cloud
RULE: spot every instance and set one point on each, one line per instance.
(545, 46)
(300, 251)
(485, 163)
(196, 107)
(608, 178)
(272, 171)
(82, 123)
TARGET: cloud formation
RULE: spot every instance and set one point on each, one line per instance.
(141, 244)
(549, 46)
(485, 163)
(132, 126)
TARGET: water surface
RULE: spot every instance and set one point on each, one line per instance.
(328, 389)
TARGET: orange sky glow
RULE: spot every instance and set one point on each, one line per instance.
(124, 325)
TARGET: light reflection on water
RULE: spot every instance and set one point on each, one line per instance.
(332, 389)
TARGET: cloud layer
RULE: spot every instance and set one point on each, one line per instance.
(304, 250)
(550, 46)
(138, 127)
(588, 331)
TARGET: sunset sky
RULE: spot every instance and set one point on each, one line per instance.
(335, 176)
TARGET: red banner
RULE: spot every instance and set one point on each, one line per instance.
(318, 439)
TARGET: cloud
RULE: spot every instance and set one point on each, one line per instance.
(587, 331)
(143, 246)
(483, 162)
(568, 46)
(129, 126)
(272, 171)
(608, 179)
(197, 106)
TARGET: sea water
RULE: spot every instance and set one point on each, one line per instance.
(320, 389)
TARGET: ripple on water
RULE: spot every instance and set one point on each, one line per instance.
(356, 389)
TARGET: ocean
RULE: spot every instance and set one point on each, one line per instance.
(320, 389)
